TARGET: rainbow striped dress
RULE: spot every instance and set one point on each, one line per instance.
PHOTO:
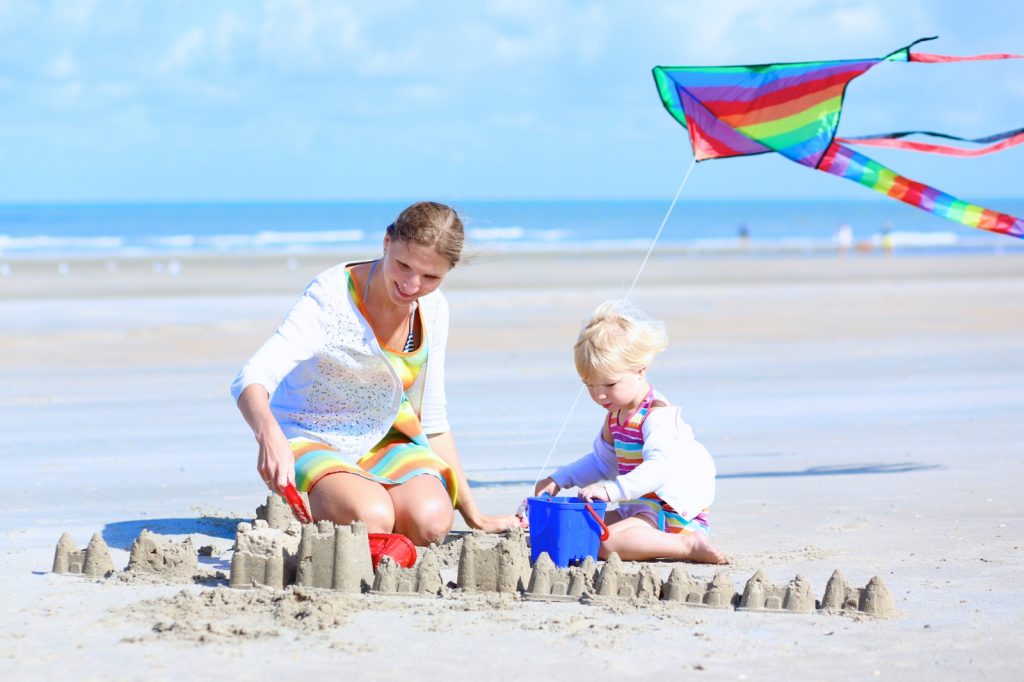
(628, 440)
(403, 452)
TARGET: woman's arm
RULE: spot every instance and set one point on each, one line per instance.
(444, 445)
(296, 340)
(276, 464)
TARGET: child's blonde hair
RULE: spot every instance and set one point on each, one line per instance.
(617, 338)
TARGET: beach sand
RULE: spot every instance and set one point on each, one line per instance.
(864, 414)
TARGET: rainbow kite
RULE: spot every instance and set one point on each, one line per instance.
(793, 109)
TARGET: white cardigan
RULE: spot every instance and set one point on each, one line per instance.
(328, 378)
(675, 466)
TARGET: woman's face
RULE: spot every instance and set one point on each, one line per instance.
(411, 270)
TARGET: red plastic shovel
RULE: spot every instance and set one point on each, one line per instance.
(294, 500)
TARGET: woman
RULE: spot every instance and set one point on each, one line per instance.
(347, 398)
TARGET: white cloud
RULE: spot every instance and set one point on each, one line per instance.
(595, 30)
(510, 50)
(306, 34)
(115, 89)
(422, 93)
(183, 51)
(77, 13)
(858, 21)
(63, 66)
(522, 120)
(68, 94)
(228, 31)
(738, 31)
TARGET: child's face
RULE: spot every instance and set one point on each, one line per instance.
(617, 391)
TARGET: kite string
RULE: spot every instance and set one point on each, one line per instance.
(643, 265)
(661, 228)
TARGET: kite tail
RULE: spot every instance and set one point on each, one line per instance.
(996, 143)
(930, 58)
(846, 163)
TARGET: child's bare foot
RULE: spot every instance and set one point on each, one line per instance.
(701, 551)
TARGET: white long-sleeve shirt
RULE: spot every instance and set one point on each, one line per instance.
(675, 466)
(328, 378)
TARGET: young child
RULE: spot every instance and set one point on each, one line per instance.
(645, 457)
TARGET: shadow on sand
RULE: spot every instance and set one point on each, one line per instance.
(835, 470)
(121, 534)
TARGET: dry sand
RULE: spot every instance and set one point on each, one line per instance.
(864, 414)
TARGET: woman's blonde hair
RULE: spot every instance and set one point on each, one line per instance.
(617, 338)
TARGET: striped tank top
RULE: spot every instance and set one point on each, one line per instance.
(628, 440)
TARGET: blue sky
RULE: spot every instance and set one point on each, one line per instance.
(295, 99)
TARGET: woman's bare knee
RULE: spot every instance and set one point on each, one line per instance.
(343, 498)
(423, 512)
(431, 525)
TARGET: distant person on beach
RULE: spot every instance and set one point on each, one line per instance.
(645, 456)
(743, 233)
(843, 239)
(887, 239)
(347, 398)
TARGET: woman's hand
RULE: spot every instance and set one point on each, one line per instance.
(546, 485)
(276, 463)
(498, 523)
(594, 492)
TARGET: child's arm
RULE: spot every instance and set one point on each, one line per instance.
(673, 459)
(596, 465)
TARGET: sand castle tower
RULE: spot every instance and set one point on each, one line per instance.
(838, 594)
(94, 561)
(335, 557)
(152, 553)
(424, 578)
(550, 583)
(277, 513)
(762, 595)
(501, 568)
(874, 599)
(264, 556)
(681, 587)
(613, 581)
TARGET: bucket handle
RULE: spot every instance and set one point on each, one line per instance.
(600, 522)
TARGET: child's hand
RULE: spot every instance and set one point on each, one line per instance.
(499, 523)
(594, 492)
(548, 486)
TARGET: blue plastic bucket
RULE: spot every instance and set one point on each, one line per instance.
(562, 527)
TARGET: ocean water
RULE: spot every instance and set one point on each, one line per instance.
(72, 230)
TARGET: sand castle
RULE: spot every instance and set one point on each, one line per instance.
(276, 512)
(719, 593)
(762, 595)
(487, 567)
(874, 599)
(550, 583)
(423, 579)
(335, 557)
(93, 561)
(263, 556)
(276, 552)
(154, 553)
(613, 581)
